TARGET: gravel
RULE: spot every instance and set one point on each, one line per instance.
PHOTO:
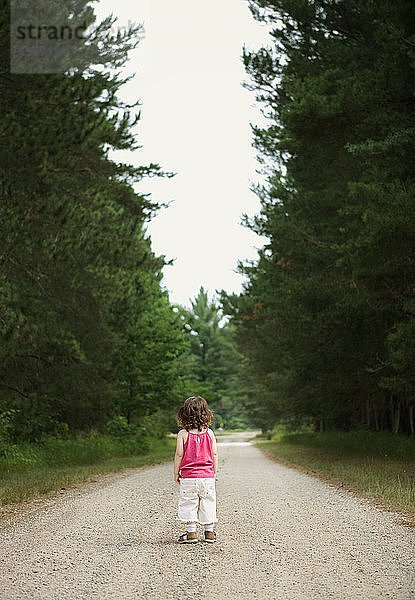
(281, 534)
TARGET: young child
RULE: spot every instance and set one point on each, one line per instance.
(195, 465)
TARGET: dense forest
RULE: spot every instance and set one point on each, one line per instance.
(326, 320)
(89, 339)
(87, 333)
(323, 333)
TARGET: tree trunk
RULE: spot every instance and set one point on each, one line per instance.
(375, 415)
(367, 411)
(411, 420)
(396, 415)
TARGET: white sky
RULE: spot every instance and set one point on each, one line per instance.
(196, 122)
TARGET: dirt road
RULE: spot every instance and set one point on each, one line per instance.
(281, 534)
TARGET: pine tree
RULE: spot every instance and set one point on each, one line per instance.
(325, 304)
(78, 278)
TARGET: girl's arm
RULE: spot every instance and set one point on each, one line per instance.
(178, 456)
(214, 451)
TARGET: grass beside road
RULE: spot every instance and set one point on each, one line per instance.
(29, 471)
(380, 466)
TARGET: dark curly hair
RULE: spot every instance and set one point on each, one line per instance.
(195, 414)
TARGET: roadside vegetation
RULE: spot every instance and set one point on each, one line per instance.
(377, 465)
(326, 317)
(29, 470)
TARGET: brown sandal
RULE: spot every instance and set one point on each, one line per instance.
(188, 538)
(210, 536)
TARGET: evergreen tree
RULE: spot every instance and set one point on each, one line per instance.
(213, 366)
(324, 311)
(79, 284)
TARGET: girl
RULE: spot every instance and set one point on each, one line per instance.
(195, 465)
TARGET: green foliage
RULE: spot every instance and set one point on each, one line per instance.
(54, 451)
(325, 319)
(119, 427)
(30, 470)
(354, 443)
(86, 332)
(160, 421)
(213, 367)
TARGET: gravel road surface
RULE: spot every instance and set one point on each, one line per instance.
(281, 534)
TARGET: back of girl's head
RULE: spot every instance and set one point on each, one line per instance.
(195, 413)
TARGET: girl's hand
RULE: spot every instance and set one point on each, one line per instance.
(177, 478)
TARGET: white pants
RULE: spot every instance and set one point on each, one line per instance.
(197, 500)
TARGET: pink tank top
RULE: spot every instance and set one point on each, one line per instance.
(197, 459)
